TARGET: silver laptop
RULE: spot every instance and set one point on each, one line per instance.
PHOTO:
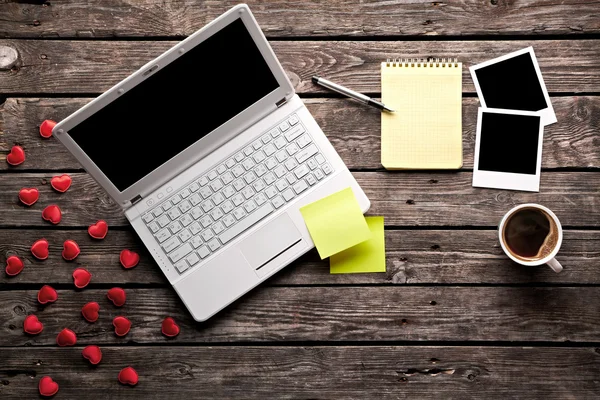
(211, 154)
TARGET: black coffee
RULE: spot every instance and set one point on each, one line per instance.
(530, 233)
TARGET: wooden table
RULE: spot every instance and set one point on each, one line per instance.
(451, 318)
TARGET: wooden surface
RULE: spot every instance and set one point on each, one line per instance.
(451, 318)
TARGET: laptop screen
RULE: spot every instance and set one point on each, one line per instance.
(175, 107)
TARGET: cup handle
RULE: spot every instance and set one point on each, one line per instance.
(555, 265)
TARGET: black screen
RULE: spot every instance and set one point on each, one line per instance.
(512, 84)
(509, 143)
(179, 104)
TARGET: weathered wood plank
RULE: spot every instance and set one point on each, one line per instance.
(330, 372)
(62, 66)
(404, 198)
(413, 257)
(353, 129)
(284, 18)
(548, 314)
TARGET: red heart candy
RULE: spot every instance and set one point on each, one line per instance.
(92, 353)
(47, 294)
(122, 325)
(39, 249)
(66, 337)
(46, 128)
(117, 296)
(128, 376)
(169, 327)
(47, 386)
(70, 250)
(52, 214)
(16, 155)
(14, 266)
(98, 230)
(90, 311)
(81, 277)
(61, 183)
(129, 259)
(32, 325)
(29, 196)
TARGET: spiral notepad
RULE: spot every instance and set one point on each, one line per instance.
(425, 131)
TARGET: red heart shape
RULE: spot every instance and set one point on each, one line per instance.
(61, 183)
(169, 327)
(122, 325)
(32, 325)
(129, 259)
(16, 155)
(47, 294)
(46, 128)
(90, 311)
(98, 230)
(70, 250)
(92, 353)
(81, 277)
(14, 266)
(128, 376)
(39, 249)
(66, 337)
(47, 386)
(117, 296)
(29, 196)
(52, 214)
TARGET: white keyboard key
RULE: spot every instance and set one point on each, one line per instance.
(278, 202)
(292, 149)
(195, 228)
(319, 174)
(184, 235)
(280, 142)
(269, 178)
(227, 178)
(185, 193)
(270, 149)
(257, 145)
(216, 185)
(228, 220)
(270, 163)
(167, 205)
(185, 206)
(306, 153)
(176, 199)
(171, 244)
(195, 199)
(218, 227)
(259, 157)
(227, 207)
(212, 175)
(207, 235)
(291, 178)
(186, 220)
(327, 169)
(221, 169)
(154, 226)
(174, 213)
(301, 171)
(157, 212)
(216, 214)
(259, 185)
(271, 192)
(180, 252)
(281, 184)
(203, 252)
(239, 213)
(281, 156)
(230, 163)
(218, 198)
(280, 171)
(163, 221)
(246, 223)
(248, 164)
(175, 227)
(250, 206)
(288, 194)
(181, 266)
(274, 132)
(312, 164)
(260, 170)
(228, 191)
(250, 177)
(205, 192)
(290, 164)
(163, 235)
(300, 186)
(196, 212)
(248, 192)
(248, 150)
(237, 199)
(203, 181)
(239, 157)
(214, 244)
(303, 141)
(196, 241)
(260, 199)
(239, 184)
(311, 179)
(293, 120)
(294, 133)
(148, 217)
(194, 187)
(192, 259)
(284, 126)
(206, 221)
(207, 206)
(319, 158)
(266, 138)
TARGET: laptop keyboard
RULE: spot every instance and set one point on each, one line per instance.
(218, 206)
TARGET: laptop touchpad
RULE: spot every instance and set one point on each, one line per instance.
(270, 241)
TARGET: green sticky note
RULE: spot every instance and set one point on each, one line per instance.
(335, 223)
(368, 256)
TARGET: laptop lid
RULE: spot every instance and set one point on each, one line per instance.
(177, 108)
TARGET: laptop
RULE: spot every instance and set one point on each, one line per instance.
(211, 154)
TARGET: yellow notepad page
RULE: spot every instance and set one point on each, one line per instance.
(425, 131)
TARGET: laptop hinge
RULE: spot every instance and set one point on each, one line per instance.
(135, 199)
(281, 102)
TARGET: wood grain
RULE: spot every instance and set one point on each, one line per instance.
(284, 18)
(65, 66)
(354, 131)
(413, 257)
(404, 198)
(332, 372)
(364, 314)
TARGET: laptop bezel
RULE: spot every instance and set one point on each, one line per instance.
(201, 147)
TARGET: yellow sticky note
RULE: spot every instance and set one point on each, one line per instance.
(335, 222)
(368, 256)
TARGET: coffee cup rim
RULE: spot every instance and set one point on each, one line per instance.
(544, 260)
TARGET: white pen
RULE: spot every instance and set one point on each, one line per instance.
(350, 93)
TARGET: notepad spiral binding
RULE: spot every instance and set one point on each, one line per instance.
(422, 62)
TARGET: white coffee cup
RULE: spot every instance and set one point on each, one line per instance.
(548, 259)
